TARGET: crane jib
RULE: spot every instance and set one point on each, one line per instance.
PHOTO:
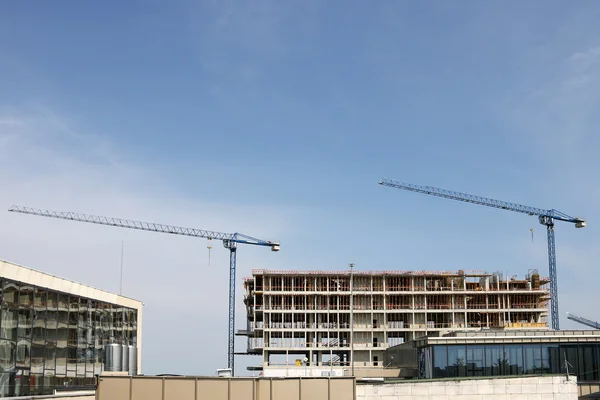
(546, 217)
(230, 241)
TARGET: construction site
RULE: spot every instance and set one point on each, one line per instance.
(317, 315)
(313, 327)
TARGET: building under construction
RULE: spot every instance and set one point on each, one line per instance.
(300, 321)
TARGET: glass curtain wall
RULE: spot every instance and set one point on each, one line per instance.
(50, 339)
(517, 359)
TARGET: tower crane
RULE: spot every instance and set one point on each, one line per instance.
(583, 321)
(230, 242)
(545, 217)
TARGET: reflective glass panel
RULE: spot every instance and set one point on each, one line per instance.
(495, 361)
(26, 297)
(440, 361)
(514, 355)
(39, 334)
(457, 361)
(8, 325)
(36, 383)
(61, 361)
(71, 359)
(63, 301)
(568, 355)
(10, 291)
(21, 382)
(40, 299)
(50, 362)
(551, 359)
(25, 323)
(37, 358)
(588, 364)
(475, 360)
(52, 300)
(533, 358)
(7, 387)
(7, 355)
(23, 353)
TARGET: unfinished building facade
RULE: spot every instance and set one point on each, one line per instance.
(301, 319)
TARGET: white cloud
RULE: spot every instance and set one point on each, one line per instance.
(584, 60)
(48, 163)
(11, 122)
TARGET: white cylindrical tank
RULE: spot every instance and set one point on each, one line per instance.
(112, 357)
(125, 357)
(132, 360)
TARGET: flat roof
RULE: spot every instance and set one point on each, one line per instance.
(342, 272)
(512, 336)
(29, 276)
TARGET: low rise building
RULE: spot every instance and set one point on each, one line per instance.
(54, 332)
(489, 353)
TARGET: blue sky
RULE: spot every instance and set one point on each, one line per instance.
(277, 119)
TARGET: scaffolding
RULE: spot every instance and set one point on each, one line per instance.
(309, 311)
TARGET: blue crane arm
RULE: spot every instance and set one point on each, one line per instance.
(583, 321)
(484, 201)
(144, 226)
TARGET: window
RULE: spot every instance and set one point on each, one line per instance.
(37, 358)
(496, 362)
(514, 355)
(568, 353)
(588, 364)
(440, 361)
(50, 362)
(63, 302)
(52, 301)
(551, 359)
(23, 353)
(533, 358)
(39, 299)
(475, 360)
(25, 323)
(61, 361)
(26, 297)
(10, 293)
(457, 361)
(7, 355)
(7, 387)
(8, 324)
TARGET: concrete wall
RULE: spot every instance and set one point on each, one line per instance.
(82, 395)
(288, 372)
(526, 388)
(588, 388)
(201, 388)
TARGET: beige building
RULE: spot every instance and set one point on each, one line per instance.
(300, 321)
(58, 333)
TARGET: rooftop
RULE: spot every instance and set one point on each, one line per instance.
(491, 336)
(29, 276)
(425, 273)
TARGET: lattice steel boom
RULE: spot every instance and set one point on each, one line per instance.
(583, 321)
(545, 217)
(230, 242)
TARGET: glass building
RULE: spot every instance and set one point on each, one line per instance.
(53, 332)
(513, 359)
(504, 353)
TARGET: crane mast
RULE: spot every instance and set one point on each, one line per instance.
(230, 242)
(545, 217)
